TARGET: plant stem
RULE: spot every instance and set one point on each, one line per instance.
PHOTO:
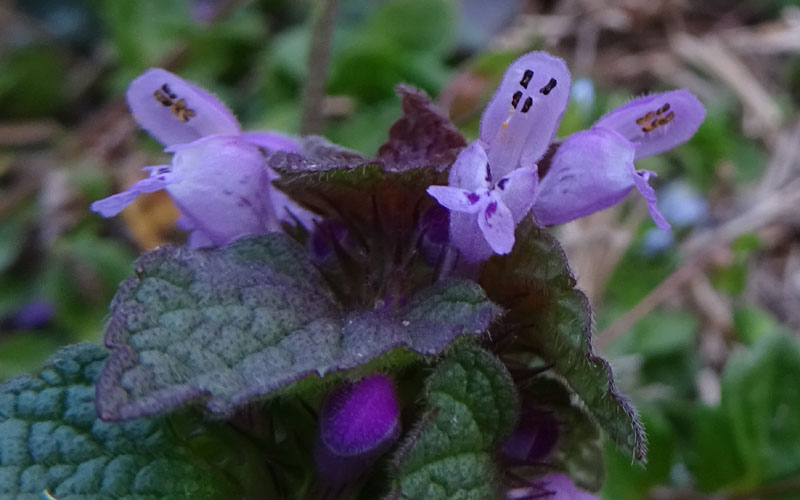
(319, 57)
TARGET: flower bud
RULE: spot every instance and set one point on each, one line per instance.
(358, 423)
(533, 439)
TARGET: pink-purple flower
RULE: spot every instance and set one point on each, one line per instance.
(483, 214)
(492, 183)
(550, 487)
(218, 176)
(495, 182)
(593, 169)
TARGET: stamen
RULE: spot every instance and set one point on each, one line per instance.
(666, 119)
(162, 97)
(167, 91)
(180, 110)
(663, 109)
(515, 98)
(550, 86)
(658, 122)
(527, 105)
(526, 78)
(645, 118)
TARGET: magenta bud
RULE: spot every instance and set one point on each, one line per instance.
(358, 423)
(533, 439)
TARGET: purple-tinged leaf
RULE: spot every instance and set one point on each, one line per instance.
(228, 325)
(174, 111)
(657, 122)
(422, 137)
(381, 210)
(523, 115)
(548, 319)
(591, 170)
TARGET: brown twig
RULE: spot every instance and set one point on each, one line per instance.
(323, 19)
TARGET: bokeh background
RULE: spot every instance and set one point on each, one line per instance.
(701, 324)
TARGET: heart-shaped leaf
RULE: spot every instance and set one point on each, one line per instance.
(550, 319)
(231, 324)
(52, 441)
(472, 407)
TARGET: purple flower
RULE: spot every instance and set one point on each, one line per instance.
(492, 183)
(218, 176)
(358, 423)
(657, 122)
(483, 214)
(550, 487)
(220, 185)
(520, 121)
(174, 111)
(534, 438)
(35, 314)
(593, 169)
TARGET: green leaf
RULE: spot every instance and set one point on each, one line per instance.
(752, 322)
(579, 451)
(422, 26)
(762, 406)
(51, 439)
(472, 406)
(548, 318)
(714, 462)
(12, 241)
(629, 480)
(228, 325)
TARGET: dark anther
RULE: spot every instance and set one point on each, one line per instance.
(645, 118)
(515, 98)
(167, 91)
(502, 183)
(526, 78)
(666, 119)
(550, 86)
(527, 105)
(663, 109)
(181, 111)
(162, 97)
